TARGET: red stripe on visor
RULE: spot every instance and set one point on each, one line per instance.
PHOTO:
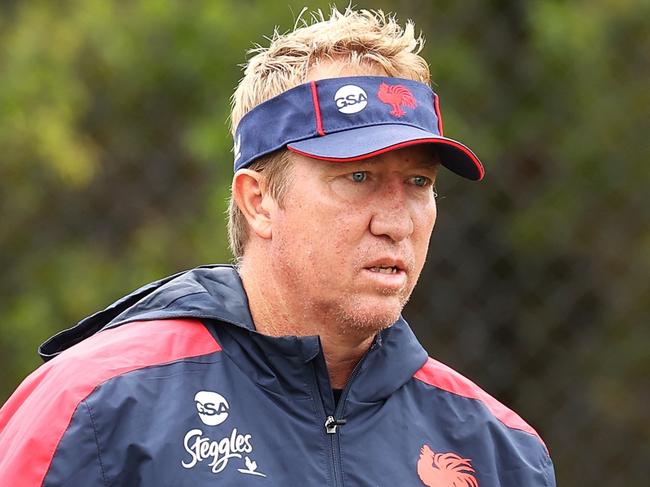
(436, 107)
(319, 119)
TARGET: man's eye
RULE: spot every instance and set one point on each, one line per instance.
(421, 181)
(359, 176)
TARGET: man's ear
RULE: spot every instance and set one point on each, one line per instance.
(251, 196)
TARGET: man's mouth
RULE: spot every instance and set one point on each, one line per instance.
(384, 269)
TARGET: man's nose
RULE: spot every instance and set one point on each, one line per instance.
(391, 215)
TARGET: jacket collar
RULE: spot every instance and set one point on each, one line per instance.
(206, 292)
(215, 294)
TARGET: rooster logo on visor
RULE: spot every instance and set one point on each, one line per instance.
(445, 469)
(396, 96)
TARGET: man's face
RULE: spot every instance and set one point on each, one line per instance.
(351, 238)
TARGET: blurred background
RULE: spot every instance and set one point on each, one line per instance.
(115, 166)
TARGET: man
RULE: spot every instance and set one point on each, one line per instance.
(294, 368)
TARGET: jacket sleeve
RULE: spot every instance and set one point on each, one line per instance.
(549, 471)
(45, 439)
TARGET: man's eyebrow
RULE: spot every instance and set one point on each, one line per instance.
(432, 163)
(429, 161)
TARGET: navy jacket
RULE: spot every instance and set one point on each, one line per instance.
(172, 386)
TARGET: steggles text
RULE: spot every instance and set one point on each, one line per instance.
(202, 448)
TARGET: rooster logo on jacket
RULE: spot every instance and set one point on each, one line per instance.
(445, 469)
(396, 96)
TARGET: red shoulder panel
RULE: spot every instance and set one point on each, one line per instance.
(439, 375)
(34, 419)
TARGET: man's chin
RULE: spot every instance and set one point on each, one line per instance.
(370, 317)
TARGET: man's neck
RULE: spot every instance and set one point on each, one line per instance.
(276, 312)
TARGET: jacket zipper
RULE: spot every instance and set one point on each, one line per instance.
(332, 422)
(328, 420)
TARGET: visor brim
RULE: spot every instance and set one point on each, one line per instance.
(365, 142)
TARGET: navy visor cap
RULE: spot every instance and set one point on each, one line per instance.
(350, 119)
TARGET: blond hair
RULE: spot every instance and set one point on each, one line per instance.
(354, 38)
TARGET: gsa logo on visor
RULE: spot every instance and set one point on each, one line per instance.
(350, 99)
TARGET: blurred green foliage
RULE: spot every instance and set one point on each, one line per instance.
(115, 162)
(115, 167)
